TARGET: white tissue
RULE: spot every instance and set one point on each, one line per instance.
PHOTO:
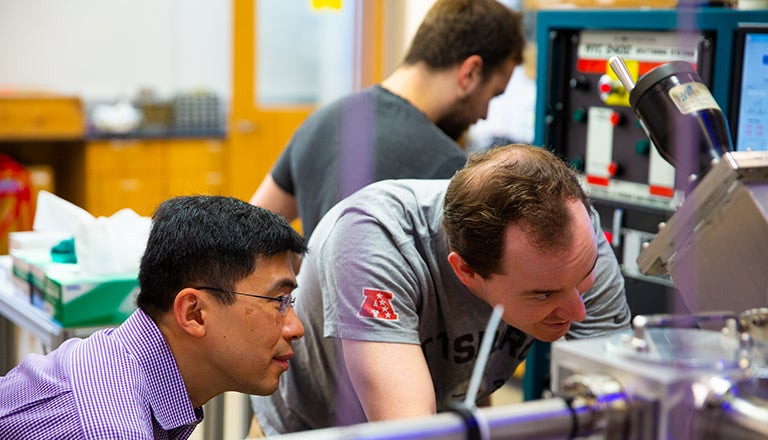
(104, 245)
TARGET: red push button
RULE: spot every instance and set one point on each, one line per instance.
(613, 168)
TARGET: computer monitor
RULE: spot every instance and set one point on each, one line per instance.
(749, 98)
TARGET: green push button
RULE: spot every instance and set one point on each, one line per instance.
(643, 147)
(579, 115)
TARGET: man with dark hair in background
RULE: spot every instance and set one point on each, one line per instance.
(462, 56)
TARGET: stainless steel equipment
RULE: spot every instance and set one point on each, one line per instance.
(659, 382)
(681, 383)
(695, 382)
(715, 246)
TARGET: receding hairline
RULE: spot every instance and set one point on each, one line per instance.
(482, 165)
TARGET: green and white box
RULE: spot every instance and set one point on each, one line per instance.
(87, 300)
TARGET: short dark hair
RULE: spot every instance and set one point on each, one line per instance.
(454, 30)
(514, 184)
(211, 241)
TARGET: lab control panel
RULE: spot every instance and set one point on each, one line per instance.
(583, 112)
(607, 142)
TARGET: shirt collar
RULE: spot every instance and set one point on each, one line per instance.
(168, 395)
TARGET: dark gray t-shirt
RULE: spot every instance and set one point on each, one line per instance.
(362, 138)
(377, 270)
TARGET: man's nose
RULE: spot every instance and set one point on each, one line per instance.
(573, 307)
(292, 326)
(484, 115)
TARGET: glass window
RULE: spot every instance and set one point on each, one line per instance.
(305, 54)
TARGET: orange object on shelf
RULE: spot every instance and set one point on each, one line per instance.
(15, 199)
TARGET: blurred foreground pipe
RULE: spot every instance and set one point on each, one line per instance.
(532, 420)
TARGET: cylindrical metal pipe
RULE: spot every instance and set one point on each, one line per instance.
(547, 419)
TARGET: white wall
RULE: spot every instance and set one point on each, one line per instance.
(106, 49)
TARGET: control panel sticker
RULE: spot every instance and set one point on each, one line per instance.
(646, 47)
(691, 97)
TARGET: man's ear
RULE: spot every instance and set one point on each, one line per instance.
(470, 74)
(189, 309)
(466, 275)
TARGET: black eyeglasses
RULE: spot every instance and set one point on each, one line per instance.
(286, 301)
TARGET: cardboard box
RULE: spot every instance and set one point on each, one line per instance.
(75, 299)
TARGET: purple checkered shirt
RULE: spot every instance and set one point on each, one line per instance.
(119, 383)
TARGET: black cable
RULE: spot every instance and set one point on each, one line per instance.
(469, 418)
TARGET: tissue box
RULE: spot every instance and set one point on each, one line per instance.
(81, 300)
(70, 296)
(101, 288)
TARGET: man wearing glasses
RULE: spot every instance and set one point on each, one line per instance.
(214, 314)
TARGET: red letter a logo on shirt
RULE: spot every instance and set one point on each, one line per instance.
(377, 305)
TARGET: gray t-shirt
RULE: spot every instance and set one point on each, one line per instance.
(362, 138)
(377, 270)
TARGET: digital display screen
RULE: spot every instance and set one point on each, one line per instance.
(751, 91)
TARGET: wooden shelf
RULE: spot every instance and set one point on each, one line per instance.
(41, 117)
